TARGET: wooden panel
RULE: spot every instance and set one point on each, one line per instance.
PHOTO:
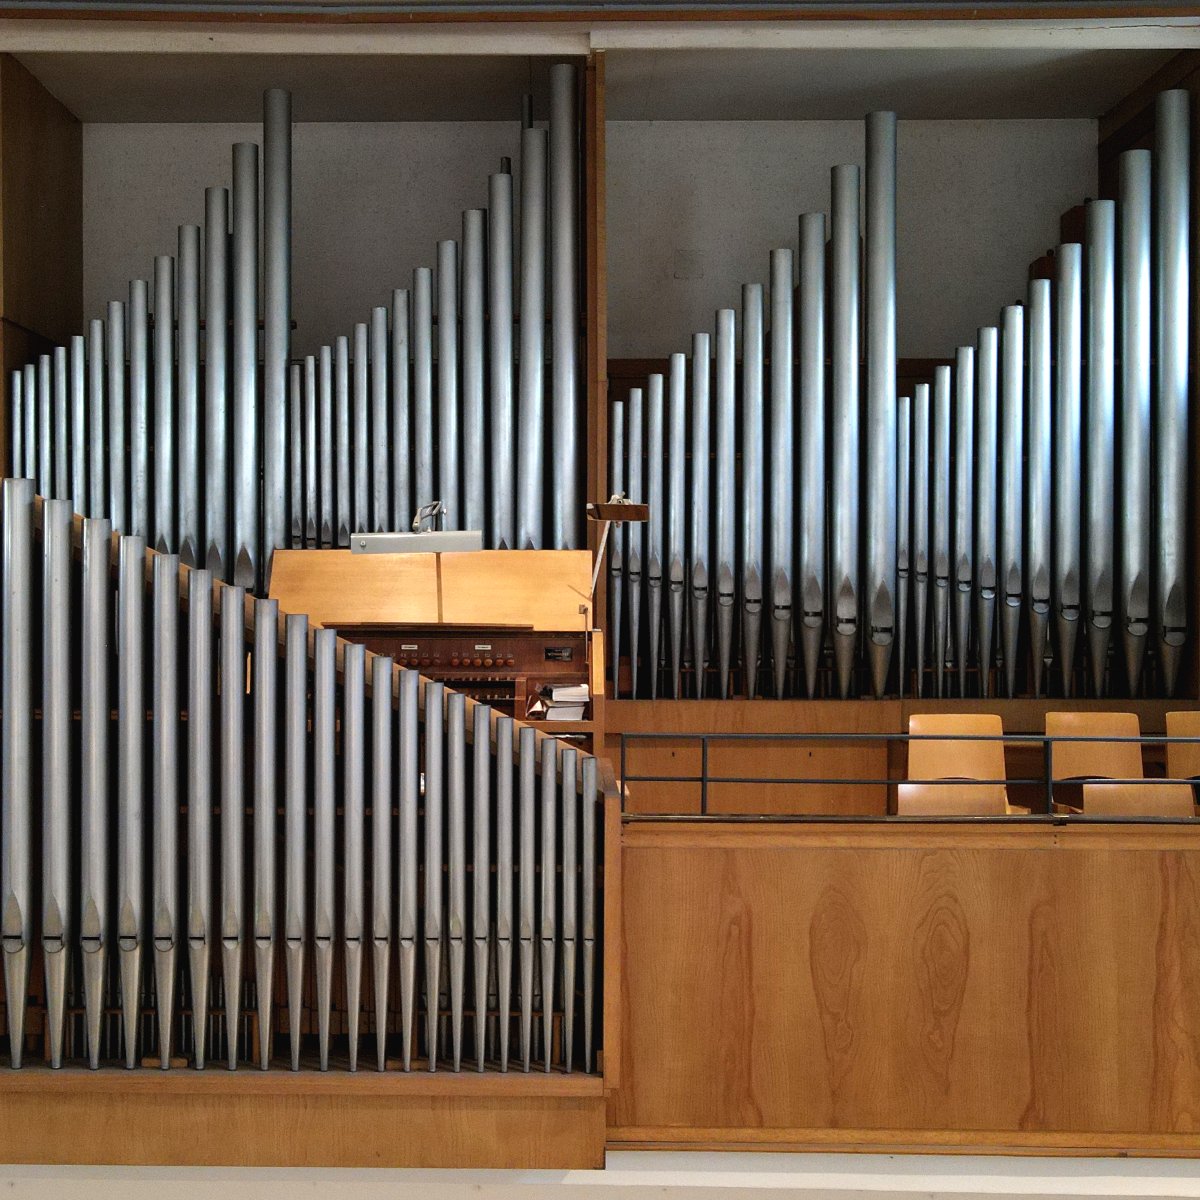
(911, 983)
(212, 1118)
(537, 589)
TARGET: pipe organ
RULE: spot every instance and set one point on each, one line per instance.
(208, 441)
(248, 831)
(1019, 523)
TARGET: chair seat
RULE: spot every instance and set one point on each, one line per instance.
(1138, 798)
(967, 799)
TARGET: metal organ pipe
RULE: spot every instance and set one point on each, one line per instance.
(448, 487)
(500, 356)
(354, 927)
(881, 393)
(920, 525)
(163, 527)
(423, 461)
(940, 503)
(699, 581)
(752, 482)
(233, 808)
(360, 464)
(264, 681)
(1134, 585)
(903, 525)
(1068, 419)
(62, 486)
(326, 447)
(1012, 490)
(188, 309)
(726, 501)
(474, 461)
(676, 541)
(1039, 567)
(216, 310)
(655, 527)
(341, 420)
(309, 519)
(1101, 431)
(986, 540)
(79, 439)
(636, 535)
(844, 317)
(140, 486)
(401, 415)
(1172, 200)
(964, 496)
(530, 364)
(200, 925)
(115, 387)
(780, 563)
(616, 551)
(245, 568)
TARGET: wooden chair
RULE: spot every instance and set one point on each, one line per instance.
(1119, 761)
(1183, 761)
(968, 761)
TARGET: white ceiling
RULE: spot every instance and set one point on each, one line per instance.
(717, 84)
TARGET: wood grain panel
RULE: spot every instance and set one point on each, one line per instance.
(1020, 982)
(200, 1119)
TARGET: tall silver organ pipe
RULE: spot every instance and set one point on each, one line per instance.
(811, 562)
(423, 489)
(880, 342)
(752, 482)
(844, 318)
(62, 487)
(726, 501)
(324, 723)
(433, 929)
(163, 523)
(325, 442)
(1068, 453)
(636, 551)
(500, 357)
(295, 817)
(474, 458)
(407, 854)
(79, 438)
(309, 520)
(456, 862)
(264, 682)
(201, 929)
(655, 526)
(530, 359)
(382, 800)
(903, 534)
(354, 926)
(45, 395)
(1039, 567)
(1012, 487)
(245, 567)
(360, 462)
(140, 486)
(780, 563)
(29, 391)
(481, 897)
(401, 415)
(1172, 201)
(447, 374)
(16, 766)
(920, 559)
(1134, 586)
(963, 496)
(16, 425)
(188, 394)
(986, 473)
(381, 500)
(676, 540)
(216, 380)
(564, 305)
(341, 421)
(277, 312)
(1101, 431)
(617, 541)
(232, 657)
(698, 528)
(940, 504)
(115, 392)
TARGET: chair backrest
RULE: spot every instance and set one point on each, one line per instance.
(1183, 761)
(954, 759)
(1095, 760)
(1149, 799)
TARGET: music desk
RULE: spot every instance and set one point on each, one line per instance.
(917, 986)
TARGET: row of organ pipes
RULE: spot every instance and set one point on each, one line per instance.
(151, 417)
(239, 786)
(1026, 505)
(161, 692)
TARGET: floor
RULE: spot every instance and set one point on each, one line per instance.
(633, 1175)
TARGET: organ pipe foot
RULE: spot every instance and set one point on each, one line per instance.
(902, 634)
(751, 643)
(547, 958)
(264, 977)
(433, 975)
(480, 963)
(55, 957)
(920, 606)
(1010, 633)
(568, 1003)
(382, 964)
(724, 639)
(323, 948)
(526, 985)
(93, 999)
(1039, 637)
(1067, 628)
(654, 605)
(635, 624)
(130, 963)
(781, 630)
(164, 987)
(880, 654)
(408, 998)
(810, 644)
(675, 598)
(16, 987)
(1170, 654)
(458, 984)
(843, 656)
(1135, 656)
(589, 1001)
(962, 632)
(1099, 631)
(504, 992)
(941, 633)
(231, 967)
(293, 951)
(198, 957)
(985, 616)
(700, 637)
(353, 954)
